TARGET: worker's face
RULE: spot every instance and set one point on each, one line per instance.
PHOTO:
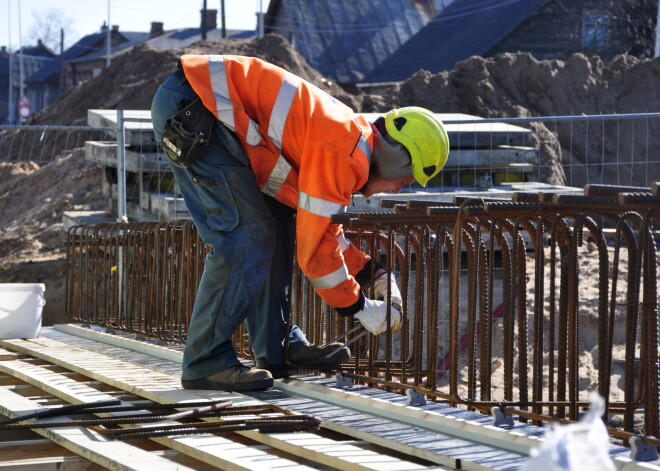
(378, 185)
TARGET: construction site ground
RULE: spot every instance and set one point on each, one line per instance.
(362, 428)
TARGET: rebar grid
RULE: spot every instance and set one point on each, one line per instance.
(497, 308)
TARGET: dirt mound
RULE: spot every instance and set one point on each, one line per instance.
(517, 85)
(132, 79)
(32, 201)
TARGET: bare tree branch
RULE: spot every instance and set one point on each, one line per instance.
(46, 27)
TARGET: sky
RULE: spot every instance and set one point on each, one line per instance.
(87, 16)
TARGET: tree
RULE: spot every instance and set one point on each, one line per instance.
(46, 25)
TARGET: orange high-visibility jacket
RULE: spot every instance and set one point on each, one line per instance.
(306, 149)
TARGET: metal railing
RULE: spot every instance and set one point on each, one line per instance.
(42, 144)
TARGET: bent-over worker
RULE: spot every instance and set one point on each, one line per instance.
(264, 158)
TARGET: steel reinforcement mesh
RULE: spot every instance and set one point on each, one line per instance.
(526, 304)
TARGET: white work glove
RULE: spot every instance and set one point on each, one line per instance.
(380, 289)
(373, 317)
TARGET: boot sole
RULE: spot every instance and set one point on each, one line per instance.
(229, 387)
(322, 362)
(279, 371)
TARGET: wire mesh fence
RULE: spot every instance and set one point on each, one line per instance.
(497, 156)
(604, 149)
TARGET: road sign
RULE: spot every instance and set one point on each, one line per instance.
(24, 108)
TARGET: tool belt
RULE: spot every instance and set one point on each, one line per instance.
(178, 72)
(187, 133)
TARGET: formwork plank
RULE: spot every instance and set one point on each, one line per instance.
(7, 355)
(491, 158)
(37, 448)
(416, 441)
(44, 455)
(442, 449)
(87, 443)
(158, 351)
(105, 153)
(438, 416)
(470, 430)
(211, 449)
(132, 378)
(136, 133)
(368, 426)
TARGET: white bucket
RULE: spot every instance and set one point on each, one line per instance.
(20, 310)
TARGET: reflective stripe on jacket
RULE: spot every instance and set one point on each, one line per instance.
(306, 149)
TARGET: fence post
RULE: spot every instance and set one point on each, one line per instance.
(121, 211)
(121, 168)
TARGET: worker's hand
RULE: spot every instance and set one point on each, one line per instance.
(373, 317)
(380, 289)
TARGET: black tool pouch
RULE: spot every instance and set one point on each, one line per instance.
(187, 133)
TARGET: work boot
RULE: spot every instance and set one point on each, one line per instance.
(315, 356)
(280, 370)
(235, 378)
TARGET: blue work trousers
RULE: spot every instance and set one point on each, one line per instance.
(247, 274)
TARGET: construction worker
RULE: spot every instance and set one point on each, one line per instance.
(263, 159)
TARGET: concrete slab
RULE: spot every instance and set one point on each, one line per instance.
(85, 218)
(105, 153)
(137, 125)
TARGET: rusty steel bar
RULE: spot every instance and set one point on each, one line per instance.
(649, 345)
(612, 190)
(528, 302)
(287, 424)
(205, 411)
(61, 410)
(266, 418)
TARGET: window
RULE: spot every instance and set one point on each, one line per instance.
(596, 29)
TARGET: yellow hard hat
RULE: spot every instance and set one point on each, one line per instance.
(423, 135)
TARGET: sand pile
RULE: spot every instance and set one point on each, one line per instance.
(32, 200)
(132, 79)
(517, 85)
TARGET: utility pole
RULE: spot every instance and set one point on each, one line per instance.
(222, 16)
(10, 96)
(61, 61)
(10, 99)
(20, 51)
(657, 36)
(260, 21)
(204, 21)
(108, 40)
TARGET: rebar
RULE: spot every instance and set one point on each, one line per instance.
(189, 422)
(288, 424)
(497, 308)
